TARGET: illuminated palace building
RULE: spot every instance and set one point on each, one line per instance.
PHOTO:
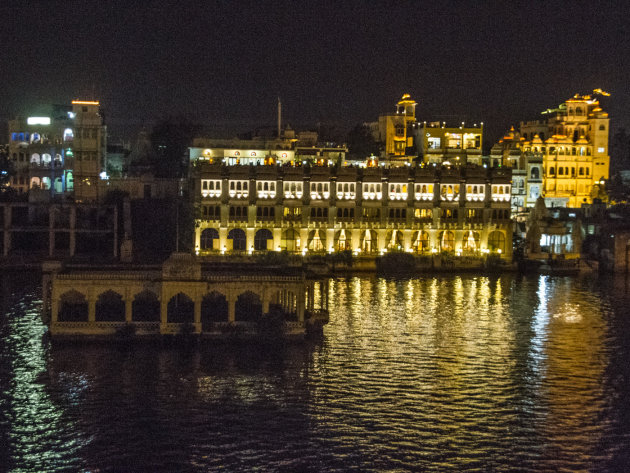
(319, 209)
(561, 157)
(405, 140)
(60, 152)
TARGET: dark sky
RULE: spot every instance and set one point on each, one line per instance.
(225, 63)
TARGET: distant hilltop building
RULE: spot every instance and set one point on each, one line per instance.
(562, 157)
(59, 152)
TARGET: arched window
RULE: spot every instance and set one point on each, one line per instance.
(496, 241)
(214, 308)
(447, 241)
(316, 240)
(145, 307)
(73, 307)
(261, 240)
(248, 307)
(470, 242)
(180, 309)
(421, 241)
(369, 241)
(110, 307)
(208, 236)
(237, 236)
(290, 240)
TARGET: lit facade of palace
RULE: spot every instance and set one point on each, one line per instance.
(432, 209)
(61, 153)
(573, 143)
(396, 131)
(404, 139)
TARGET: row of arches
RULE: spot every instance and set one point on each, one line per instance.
(45, 159)
(46, 183)
(110, 307)
(368, 240)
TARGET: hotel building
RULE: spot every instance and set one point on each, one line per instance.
(573, 142)
(62, 152)
(320, 209)
(438, 143)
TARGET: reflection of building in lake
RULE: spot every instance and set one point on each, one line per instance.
(179, 296)
(60, 230)
(431, 209)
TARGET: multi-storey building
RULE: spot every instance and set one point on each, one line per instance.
(258, 152)
(431, 209)
(62, 152)
(527, 169)
(438, 143)
(573, 142)
(396, 131)
(404, 139)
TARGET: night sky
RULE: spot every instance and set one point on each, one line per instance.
(224, 64)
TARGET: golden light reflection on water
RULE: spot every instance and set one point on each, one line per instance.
(449, 373)
(462, 338)
(35, 420)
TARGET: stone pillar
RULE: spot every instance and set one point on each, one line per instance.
(459, 240)
(330, 239)
(198, 238)
(163, 310)
(304, 238)
(54, 312)
(300, 307)
(249, 238)
(355, 240)
(277, 236)
(407, 234)
(197, 315)
(231, 308)
(91, 308)
(128, 309)
(223, 239)
(265, 301)
(382, 240)
(73, 232)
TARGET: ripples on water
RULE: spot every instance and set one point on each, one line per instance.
(431, 374)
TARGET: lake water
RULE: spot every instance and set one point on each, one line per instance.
(447, 373)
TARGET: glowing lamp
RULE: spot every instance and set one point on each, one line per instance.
(38, 121)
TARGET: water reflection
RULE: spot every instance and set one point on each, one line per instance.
(451, 373)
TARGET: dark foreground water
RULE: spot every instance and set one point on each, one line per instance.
(432, 374)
